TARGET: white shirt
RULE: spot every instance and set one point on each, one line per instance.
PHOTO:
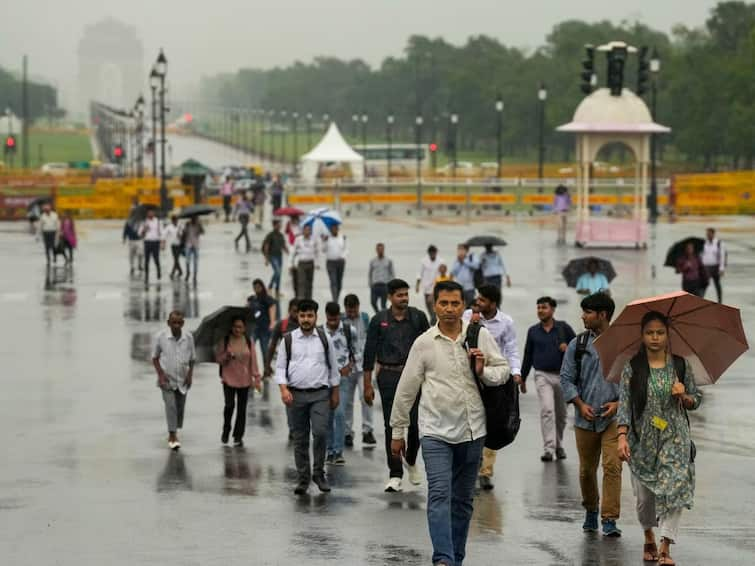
(175, 356)
(49, 222)
(308, 368)
(151, 231)
(428, 273)
(172, 234)
(450, 407)
(713, 254)
(335, 247)
(305, 249)
(501, 327)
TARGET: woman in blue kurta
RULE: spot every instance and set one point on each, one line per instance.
(657, 390)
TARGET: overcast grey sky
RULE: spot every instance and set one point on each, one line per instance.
(204, 37)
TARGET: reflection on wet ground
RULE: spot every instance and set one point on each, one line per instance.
(85, 444)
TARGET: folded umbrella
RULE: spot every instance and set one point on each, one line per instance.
(139, 213)
(709, 335)
(678, 250)
(288, 211)
(196, 210)
(577, 267)
(485, 241)
(214, 328)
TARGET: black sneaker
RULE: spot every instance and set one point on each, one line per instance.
(560, 453)
(322, 483)
(301, 487)
(546, 457)
(368, 439)
(329, 459)
(338, 460)
(224, 437)
(238, 443)
(348, 441)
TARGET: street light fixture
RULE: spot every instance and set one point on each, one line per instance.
(161, 70)
(139, 114)
(542, 96)
(499, 114)
(655, 69)
(154, 82)
(389, 134)
(295, 156)
(354, 125)
(309, 130)
(454, 135)
(325, 121)
(418, 141)
(364, 142)
(283, 152)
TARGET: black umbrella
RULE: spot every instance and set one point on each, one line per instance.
(214, 328)
(139, 212)
(677, 250)
(486, 241)
(578, 267)
(196, 210)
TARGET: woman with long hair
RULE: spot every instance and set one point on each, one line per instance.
(657, 390)
(238, 372)
(694, 276)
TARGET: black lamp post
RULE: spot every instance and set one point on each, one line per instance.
(139, 114)
(542, 96)
(354, 125)
(454, 141)
(284, 128)
(499, 133)
(154, 82)
(418, 142)
(295, 156)
(309, 130)
(161, 66)
(325, 122)
(655, 68)
(389, 139)
(364, 142)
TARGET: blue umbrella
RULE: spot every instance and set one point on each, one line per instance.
(322, 218)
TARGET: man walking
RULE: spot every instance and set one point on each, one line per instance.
(194, 231)
(493, 268)
(227, 193)
(501, 328)
(340, 335)
(308, 378)
(380, 273)
(389, 338)
(595, 405)
(273, 248)
(151, 232)
(49, 226)
(544, 351)
(173, 240)
(132, 235)
(463, 271)
(305, 256)
(714, 260)
(428, 273)
(243, 211)
(335, 260)
(359, 321)
(173, 357)
(453, 424)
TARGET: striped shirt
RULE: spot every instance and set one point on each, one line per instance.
(176, 356)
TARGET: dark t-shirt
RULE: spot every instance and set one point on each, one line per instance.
(274, 244)
(260, 307)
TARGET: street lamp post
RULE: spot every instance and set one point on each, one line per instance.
(655, 67)
(309, 130)
(454, 140)
(542, 96)
(354, 125)
(283, 153)
(388, 137)
(364, 142)
(499, 133)
(161, 66)
(295, 156)
(325, 122)
(154, 82)
(418, 142)
(139, 111)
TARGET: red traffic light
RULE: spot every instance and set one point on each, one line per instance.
(118, 151)
(10, 141)
(433, 147)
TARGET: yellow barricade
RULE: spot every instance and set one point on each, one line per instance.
(493, 199)
(312, 199)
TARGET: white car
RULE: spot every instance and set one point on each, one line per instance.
(56, 169)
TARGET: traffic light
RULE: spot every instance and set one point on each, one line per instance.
(10, 144)
(643, 71)
(118, 153)
(617, 56)
(588, 70)
(433, 147)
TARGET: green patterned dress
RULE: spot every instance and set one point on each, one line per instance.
(661, 459)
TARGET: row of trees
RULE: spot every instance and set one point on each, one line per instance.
(705, 87)
(42, 98)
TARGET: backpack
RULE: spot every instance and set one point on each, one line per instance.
(579, 354)
(383, 317)
(477, 276)
(288, 340)
(349, 339)
(501, 402)
(225, 347)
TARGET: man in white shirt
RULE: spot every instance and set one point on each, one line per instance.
(501, 328)
(172, 234)
(173, 357)
(714, 260)
(451, 417)
(428, 273)
(49, 226)
(304, 257)
(151, 231)
(307, 374)
(335, 259)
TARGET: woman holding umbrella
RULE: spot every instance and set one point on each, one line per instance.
(694, 275)
(238, 371)
(657, 390)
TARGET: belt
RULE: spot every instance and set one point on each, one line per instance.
(392, 367)
(308, 389)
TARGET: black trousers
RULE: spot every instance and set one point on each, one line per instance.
(244, 219)
(151, 248)
(238, 396)
(715, 276)
(379, 294)
(305, 275)
(48, 237)
(176, 251)
(387, 381)
(693, 288)
(335, 268)
(227, 207)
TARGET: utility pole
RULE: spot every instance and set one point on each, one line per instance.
(25, 114)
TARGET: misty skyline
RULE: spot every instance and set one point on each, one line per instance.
(202, 38)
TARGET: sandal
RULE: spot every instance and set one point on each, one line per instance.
(665, 560)
(650, 552)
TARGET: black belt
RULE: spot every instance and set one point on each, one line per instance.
(390, 367)
(308, 389)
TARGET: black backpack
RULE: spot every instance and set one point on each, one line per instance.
(579, 352)
(501, 402)
(288, 340)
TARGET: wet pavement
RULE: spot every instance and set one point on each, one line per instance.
(87, 477)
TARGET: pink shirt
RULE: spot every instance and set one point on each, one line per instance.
(239, 371)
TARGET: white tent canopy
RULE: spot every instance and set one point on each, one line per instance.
(331, 149)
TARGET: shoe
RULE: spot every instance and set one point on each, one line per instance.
(546, 457)
(415, 477)
(329, 458)
(348, 441)
(322, 483)
(338, 459)
(224, 437)
(393, 485)
(485, 483)
(560, 453)
(172, 444)
(368, 439)
(610, 529)
(238, 443)
(591, 522)
(301, 487)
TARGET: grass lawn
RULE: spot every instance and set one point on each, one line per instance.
(58, 146)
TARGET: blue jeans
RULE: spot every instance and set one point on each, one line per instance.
(349, 386)
(451, 475)
(192, 256)
(336, 430)
(277, 264)
(262, 335)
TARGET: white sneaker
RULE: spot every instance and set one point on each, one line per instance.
(393, 485)
(415, 477)
(171, 444)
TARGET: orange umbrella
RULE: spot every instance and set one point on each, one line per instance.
(709, 335)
